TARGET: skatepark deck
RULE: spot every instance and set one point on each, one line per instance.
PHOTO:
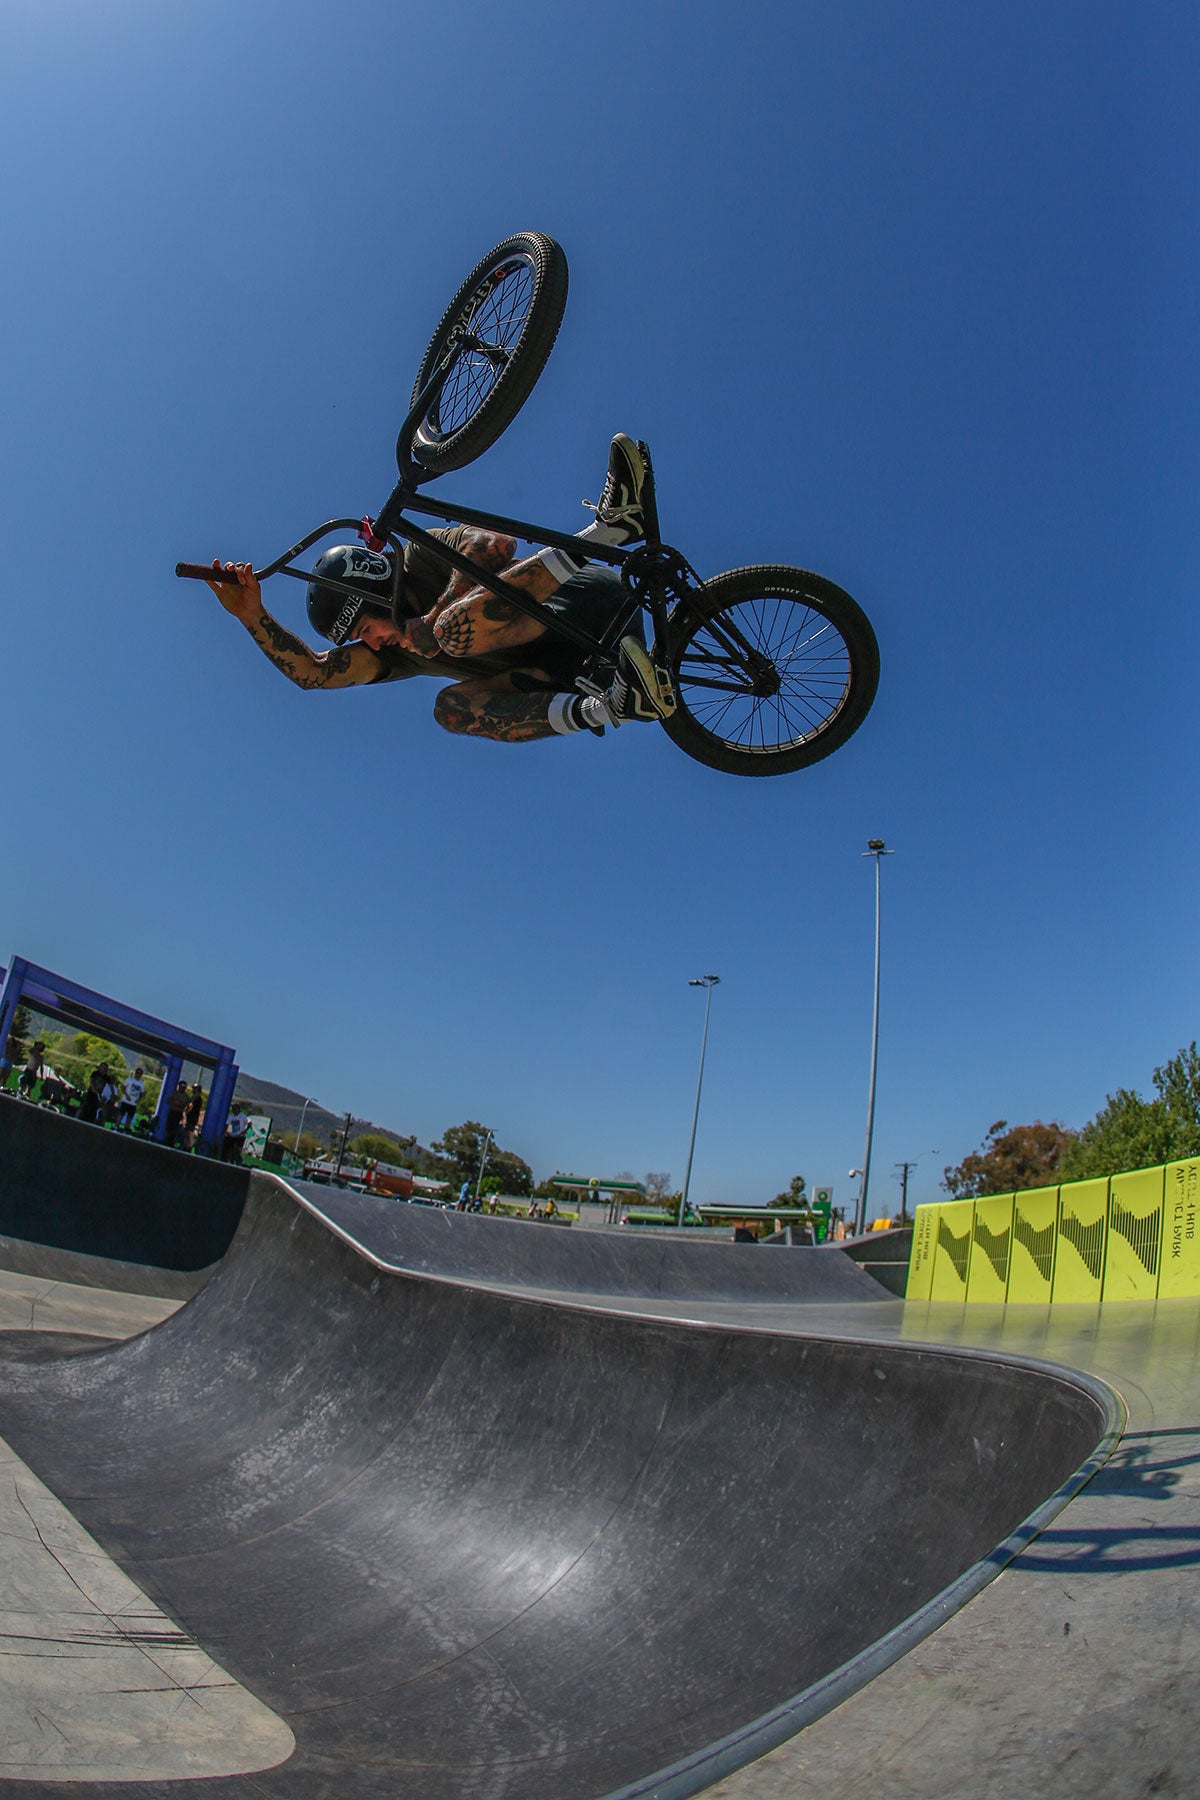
(411, 1531)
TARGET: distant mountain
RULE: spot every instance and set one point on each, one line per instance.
(285, 1106)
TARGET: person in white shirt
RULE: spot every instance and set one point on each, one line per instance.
(34, 1070)
(132, 1089)
(236, 1127)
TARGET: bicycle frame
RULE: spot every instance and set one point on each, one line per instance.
(393, 526)
(650, 573)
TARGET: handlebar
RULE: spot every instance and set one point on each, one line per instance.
(206, 572)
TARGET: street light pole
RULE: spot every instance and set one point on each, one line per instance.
(708, 982)
(878, 849)
(300, 1126)
(487, 1144)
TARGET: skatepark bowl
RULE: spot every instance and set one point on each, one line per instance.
(339, 1526)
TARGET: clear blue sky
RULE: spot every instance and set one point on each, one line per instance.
(902, 294)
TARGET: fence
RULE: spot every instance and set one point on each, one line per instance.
(1121, 1237)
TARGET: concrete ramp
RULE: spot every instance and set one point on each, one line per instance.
(521, 1255)
(81, 1204)
(468, 1546)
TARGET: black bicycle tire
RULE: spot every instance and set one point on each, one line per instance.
(516, 381)
(767, 582)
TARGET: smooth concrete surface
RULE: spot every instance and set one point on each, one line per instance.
(523, 1255)
(1074, 1672)
(467, 1544)
(104, 1197)
(35, 1303)
(97, 1684)
(884, 1255)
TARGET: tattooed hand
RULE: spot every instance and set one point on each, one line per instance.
(419, 638)
(347, 665)
(244, 600)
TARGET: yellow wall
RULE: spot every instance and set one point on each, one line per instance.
(1127, 1237)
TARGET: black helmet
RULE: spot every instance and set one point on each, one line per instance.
(335, 613)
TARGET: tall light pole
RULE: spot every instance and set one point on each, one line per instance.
(300, 1126)
(487, 1144)
(877, 849)
(708, 982)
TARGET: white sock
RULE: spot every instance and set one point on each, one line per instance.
(560, 714)
(594, 711)
(577, 712)
(561, 564)
(600, 533)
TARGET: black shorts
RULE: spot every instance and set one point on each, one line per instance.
(591, 600)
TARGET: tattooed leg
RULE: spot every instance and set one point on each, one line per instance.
(493, 709)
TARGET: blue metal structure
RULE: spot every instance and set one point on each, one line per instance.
(85, 1010)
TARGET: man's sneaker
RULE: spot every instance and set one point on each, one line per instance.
(639, 690)
(620, 505)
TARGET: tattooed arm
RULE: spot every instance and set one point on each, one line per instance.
(481, 621)
(346, 665)
(491, 550)
(469, 620)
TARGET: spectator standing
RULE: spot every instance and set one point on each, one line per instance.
(236, 1127)
(176, 1104)
(132, 1089)
(98, 1096)
(193, 1112)
(34, 1070)
(55, 1092)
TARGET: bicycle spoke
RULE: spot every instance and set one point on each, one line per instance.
(765, 674)
(495, 319)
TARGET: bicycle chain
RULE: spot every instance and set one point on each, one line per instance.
(660, 563)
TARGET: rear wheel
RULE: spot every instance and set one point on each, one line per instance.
(774, 668)
(497, 333)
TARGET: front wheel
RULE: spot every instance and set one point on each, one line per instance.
(773, 668)
(492, 344)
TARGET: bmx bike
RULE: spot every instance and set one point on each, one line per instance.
(770, 667)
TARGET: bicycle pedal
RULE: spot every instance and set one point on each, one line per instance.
(666, 691)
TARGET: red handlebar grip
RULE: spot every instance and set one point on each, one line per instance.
(205, 572)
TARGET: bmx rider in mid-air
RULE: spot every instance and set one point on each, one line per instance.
(514, 678)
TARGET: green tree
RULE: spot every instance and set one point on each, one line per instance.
(382, 1149)
(1178, 1084)
(20, 1033)
(1132, 1133)
(548, 1190)
(76, 1057)
(461, 1147)
(1010, 1157)
(795, 1194)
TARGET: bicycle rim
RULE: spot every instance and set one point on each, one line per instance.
(765, 675)
(496, 314)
